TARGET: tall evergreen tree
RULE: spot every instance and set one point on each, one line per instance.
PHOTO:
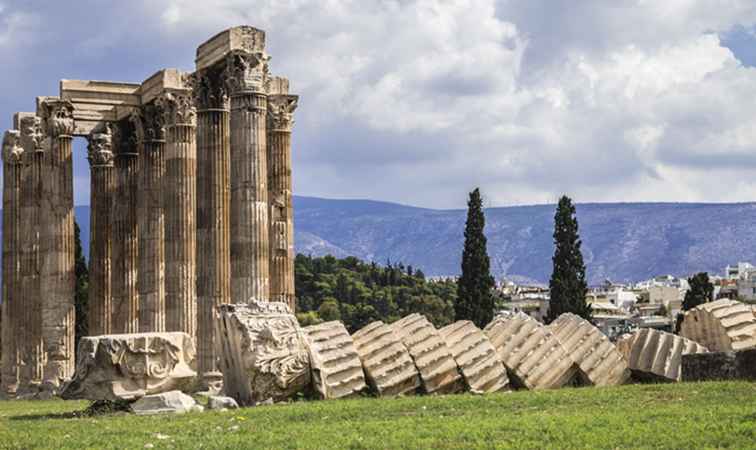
(475, 296)
(567, 284)
(700, 291)
(82, 287)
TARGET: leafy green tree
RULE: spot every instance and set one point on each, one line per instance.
(81, 296)
(475, 297)
(567, 283)
(701, 291)
(329, 310)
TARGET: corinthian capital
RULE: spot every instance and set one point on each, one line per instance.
(210, 89)
(32, 129)
(281, 112)
(246, 72)
(100, 148)
(178, 108)
(149, 123)
(12, 150)
(59, 116)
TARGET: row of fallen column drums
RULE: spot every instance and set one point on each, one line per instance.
(411, 355)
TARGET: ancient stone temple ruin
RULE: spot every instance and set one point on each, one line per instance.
(191, 207)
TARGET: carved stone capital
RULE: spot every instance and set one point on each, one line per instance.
(59, 117)
(12, 150)
(100, 148)
(32, 129)
(281, 112)
(178, 108)
(247, 73)
(210, 88)
(149, 123)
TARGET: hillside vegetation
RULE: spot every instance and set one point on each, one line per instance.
(676, 416)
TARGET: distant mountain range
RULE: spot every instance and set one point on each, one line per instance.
(621, 241)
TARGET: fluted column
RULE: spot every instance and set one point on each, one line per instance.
(57, 246)
(250, 274)
(213, 200)
(151, 278)
(125, 318)
(12, 313)
(101, 238)
(280, 120)
(180, 210)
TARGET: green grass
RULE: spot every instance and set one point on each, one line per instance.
(684, 416)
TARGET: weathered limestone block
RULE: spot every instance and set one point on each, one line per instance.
(387, 362)
(600, 363)
(263, 352)
(219, 402)
(532, 354)
(476, 357)
(336, 367)
(175, 402)
(130, 366)
(437, 368)
(656, 355)
(721, 326)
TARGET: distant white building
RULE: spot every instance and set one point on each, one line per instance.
(740, 270)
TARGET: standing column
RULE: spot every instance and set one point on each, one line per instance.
(102, 186)
(57, 246)
(280, 120)
(213, 200)
(249, 175)
(125, 316)
(12, 321)
(180, 210)
(151, 225)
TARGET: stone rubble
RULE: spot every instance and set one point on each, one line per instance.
(335, 365)
(388, 366)
(175, 402)
(476, 357)
(656, 355)
(720, 326)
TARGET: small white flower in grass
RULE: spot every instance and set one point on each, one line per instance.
(148, 445)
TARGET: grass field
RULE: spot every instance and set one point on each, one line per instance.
(680, 416)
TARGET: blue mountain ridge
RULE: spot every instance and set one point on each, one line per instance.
(621, 241)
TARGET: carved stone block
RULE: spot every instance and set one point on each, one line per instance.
(476, 357)
(721, 326)
(336, 367)
(387, 362)
(130, 366)
(437, 368)
(601, 364)
(532, 354)
(263, 352)
(654, 355)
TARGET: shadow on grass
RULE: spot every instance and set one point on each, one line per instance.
(95, 409)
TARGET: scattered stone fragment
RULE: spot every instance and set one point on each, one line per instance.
(721, 326)
(263, 352)
(388, 366)
(532, 354)
(168, 402)
(476, 357)
(437, 368)
(221, 402)
(129, 366)
(600, 363)
(336, 367)
(654, 355)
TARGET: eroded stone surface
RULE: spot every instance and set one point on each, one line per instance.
(437, 368)
(336, 367)
(601, 364)
(476, 357)
(721, 326)
(175, 402)
(532, 354)
(386, 361)
(129, 366)
(221, 402)
(263, 352)
(656, 355)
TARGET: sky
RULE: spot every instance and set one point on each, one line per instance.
(419, 102)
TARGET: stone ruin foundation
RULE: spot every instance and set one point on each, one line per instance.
(191, 208)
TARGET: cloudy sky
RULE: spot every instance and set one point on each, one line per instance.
(420, 101)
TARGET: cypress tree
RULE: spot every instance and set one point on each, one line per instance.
(475, 299)
(567, 284)
(701, 291)
(82, 286)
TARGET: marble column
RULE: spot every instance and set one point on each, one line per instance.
(57, 245)
(12, 321)
(102, 188)
(250, 273)
(125, 317)
(280, 120)
(213, 200)
(180, 210)
(151, 279)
